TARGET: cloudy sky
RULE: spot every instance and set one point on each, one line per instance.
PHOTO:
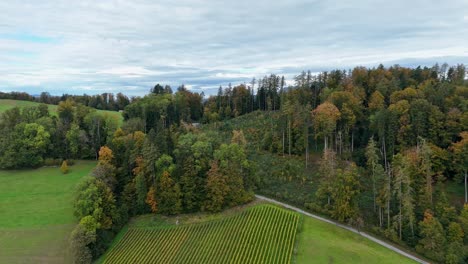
(128, 46)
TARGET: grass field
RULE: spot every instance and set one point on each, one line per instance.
(259, 234)
(6, 104)
(36, 215)
(320, 242)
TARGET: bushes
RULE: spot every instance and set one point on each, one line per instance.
(64, 167)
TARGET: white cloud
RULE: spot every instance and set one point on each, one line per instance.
(96, 46)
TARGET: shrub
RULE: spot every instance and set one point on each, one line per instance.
(64, 167)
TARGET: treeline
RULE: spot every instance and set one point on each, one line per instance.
(31, 136)
(105, 101)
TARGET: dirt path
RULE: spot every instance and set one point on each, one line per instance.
(376, 240)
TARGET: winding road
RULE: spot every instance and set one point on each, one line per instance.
(376, 240)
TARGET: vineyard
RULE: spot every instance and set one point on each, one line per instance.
(260, 234)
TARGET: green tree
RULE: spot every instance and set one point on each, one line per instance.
(73, 140)
(403, 193)
(80, 241)
(373, 164)
(169, 195)
(455, 251)
(94, 198)
(460, 159)
(432, 242)
(234, 165)
(344, 194)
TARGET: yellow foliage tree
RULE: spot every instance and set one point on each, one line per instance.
(64, 167)
(105, 155)
(151, 199)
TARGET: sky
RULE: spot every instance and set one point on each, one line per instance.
(124, 46)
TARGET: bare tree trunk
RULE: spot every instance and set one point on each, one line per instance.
(283, 142)
(466, 194)
(388, 214)
(289, 128)
(399, 221)
(380, 216)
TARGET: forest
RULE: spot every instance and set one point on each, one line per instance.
(378, 148)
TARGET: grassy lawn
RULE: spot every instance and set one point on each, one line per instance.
(6, 104)
(320, 242)
(36, 215)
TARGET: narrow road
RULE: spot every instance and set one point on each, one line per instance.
(376, 240)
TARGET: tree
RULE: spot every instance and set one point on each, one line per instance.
(66, 111)
(432, 242)
(94, 198)
(455, 251)
(238, 138)
(460, 161)
(216, 189)
(80, 240)
(372, 164)
(324, 119)
(345, 190)
(327, 170)
(151, 199)
(403, 192)
(377, 101)
(463, 219)
(425, 158)
(24, 147)
(105, 155)
(64, 167)
(234, 165)
(73, 140)
(169, 195)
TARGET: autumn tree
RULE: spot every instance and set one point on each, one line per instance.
(325, 117)
(64, 167)
(216, 189)
(151, 199)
